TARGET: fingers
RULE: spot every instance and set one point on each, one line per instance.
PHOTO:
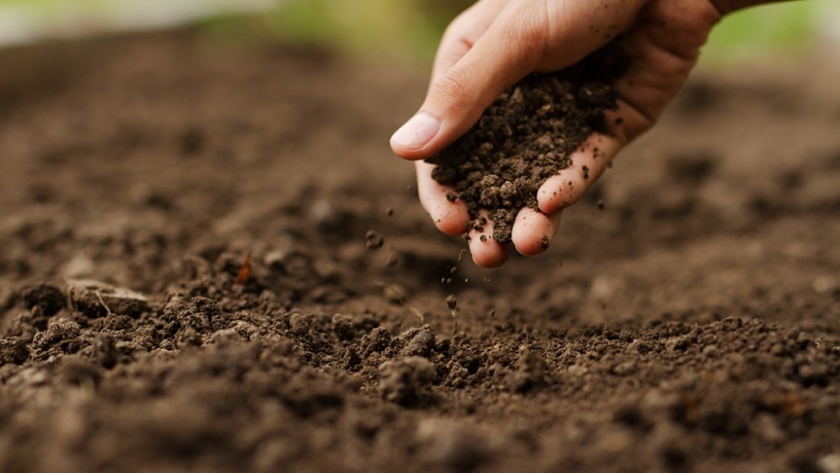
(485, 250)
(463, 33)
(450, 217)
(532, 234)
(533, 231)
(588, 163)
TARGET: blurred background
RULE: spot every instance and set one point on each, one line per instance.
(391, 28)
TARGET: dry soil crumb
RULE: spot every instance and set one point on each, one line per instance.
(530, 371)
(407, 380)
(49, 298)
(526, 136)
(373, 240)
(451, 302)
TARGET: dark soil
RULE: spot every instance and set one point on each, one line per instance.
(693, 324)
(526, 136)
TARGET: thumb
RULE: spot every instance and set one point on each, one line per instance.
(457, 97)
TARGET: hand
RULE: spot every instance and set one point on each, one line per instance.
(495, 43)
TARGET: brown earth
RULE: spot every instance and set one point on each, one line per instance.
(693, 324)
(526, 136)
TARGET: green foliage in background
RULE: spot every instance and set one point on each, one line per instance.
(48, 7)
(45, 3)
(412, 28)
(376, 26)
(773, 29)
(415, 26)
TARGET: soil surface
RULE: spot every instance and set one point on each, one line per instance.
(211, 262)
(526, 136)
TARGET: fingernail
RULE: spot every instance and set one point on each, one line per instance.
(417, 131)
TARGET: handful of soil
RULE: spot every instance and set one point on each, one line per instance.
(526, 136)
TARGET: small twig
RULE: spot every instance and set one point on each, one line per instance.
(101, 301)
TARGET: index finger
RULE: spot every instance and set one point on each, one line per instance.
(463, 32)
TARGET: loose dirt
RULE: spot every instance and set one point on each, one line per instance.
(526, 136)
(692, 324)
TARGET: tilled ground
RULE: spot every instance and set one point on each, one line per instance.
(693, 324)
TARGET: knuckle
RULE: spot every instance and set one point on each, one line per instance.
(530, 35)
(458, 26)
(453, 90)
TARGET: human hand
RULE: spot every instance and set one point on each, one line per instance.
(495, 43)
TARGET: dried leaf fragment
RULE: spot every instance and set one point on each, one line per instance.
(245, 272)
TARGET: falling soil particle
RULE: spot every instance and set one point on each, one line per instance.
(527, 136)
(373, 240)
(452, 302)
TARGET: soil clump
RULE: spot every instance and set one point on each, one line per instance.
(526, 136)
